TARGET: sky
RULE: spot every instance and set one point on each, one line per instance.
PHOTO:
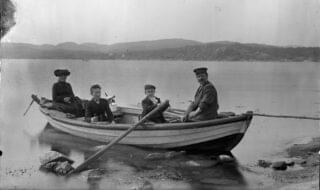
(276, 22)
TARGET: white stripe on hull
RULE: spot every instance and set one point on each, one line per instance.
(156, 138)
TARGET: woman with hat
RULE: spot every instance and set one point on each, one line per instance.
(63, 96)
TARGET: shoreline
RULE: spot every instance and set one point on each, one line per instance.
(303, 171)
(168, 60)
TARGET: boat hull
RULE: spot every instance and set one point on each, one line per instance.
(217, 135)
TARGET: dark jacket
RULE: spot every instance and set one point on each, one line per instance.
(206, 98)
(101, 110)
(60, 90)
(148, 106)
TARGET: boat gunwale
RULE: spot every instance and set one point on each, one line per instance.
(163, 126)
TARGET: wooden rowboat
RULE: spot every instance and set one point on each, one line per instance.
(221, 134)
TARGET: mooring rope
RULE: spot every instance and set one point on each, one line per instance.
(286, 116)
(179, 112)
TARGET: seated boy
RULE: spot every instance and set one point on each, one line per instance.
(97, 108)
(150, 102)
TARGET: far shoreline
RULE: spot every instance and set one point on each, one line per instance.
(166, 60)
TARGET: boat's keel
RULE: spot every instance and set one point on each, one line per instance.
(214, 147)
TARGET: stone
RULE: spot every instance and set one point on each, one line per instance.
(56, 162)
(264, 163)
(53, 156)
(225, 158)
(280, 165)
(192, 163)
(48, 167)
(62, 168)
(201, 163)
(166, 155)
(290, 163)
(155, 156)
(173, 154)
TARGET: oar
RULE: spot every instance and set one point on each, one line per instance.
(34, 99)
(28, 107)
(160, 108)
(110, 99)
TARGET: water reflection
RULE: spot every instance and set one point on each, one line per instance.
(128, 165)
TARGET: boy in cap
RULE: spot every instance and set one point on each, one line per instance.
(205, 105)
(97, 108)
(63, 96)
(150, 102)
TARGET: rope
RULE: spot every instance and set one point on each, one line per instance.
(178, 111)
(286, 116)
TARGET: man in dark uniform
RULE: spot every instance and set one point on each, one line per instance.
(150, 102)
(205, 105)
(98, 108)
(63, 96)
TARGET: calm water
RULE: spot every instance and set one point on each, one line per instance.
(275, 88)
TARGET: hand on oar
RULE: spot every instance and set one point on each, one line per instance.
(110, 99)
(162, 107)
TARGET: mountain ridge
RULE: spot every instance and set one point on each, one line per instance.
(165, 49)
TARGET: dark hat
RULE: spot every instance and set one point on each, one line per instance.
(149, 86)
(200, 70)
(61, 72)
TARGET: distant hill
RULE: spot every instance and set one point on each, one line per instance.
(167, 49)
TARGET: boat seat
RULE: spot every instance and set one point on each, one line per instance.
(117, 113)
(225, 114)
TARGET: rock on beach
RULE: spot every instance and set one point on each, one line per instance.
(56, 162)
(264, 163)
(280, 165)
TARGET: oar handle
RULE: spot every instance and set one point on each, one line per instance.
(160, 108)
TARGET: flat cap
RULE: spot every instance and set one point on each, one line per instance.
(149, 86)
(200, 70)
(61, 72)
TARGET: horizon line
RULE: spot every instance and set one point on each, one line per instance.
(201, 42)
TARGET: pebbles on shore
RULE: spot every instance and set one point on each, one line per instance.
(21, 171)
(277, 165)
